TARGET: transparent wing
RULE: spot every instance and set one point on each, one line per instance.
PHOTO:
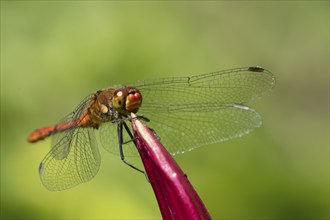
(238, 86)
(81, 163)
(196, 126)
(74, 157)
(189, 112)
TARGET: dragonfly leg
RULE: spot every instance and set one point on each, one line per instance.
(134, 140)
(120, 140)
(140, 117)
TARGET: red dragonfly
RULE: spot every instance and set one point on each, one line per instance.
(185, 112)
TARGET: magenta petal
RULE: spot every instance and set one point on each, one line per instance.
(177, 199)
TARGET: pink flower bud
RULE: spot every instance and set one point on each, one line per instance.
(177, 199)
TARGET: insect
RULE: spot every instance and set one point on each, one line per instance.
(185, 112)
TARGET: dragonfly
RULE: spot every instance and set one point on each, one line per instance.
(184, 112)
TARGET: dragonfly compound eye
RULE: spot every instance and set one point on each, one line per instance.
(133, 100)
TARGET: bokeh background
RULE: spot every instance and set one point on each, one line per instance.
(54, 53)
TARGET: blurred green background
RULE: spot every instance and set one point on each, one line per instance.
(54, 53)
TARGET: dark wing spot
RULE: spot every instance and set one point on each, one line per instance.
(256, 69)
(41, 167)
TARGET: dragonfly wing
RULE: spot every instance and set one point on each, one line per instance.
(196, 126)
(74, 157)
(238, 85)
(80, 164)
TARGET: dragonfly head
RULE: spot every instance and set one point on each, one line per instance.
(127, 99)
